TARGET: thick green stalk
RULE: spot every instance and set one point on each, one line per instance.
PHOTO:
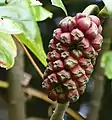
(91, 9)
(59, 111)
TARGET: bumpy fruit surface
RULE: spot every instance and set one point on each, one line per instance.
(71, 57)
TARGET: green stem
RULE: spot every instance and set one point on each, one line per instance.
(59, 111)
(91, 9)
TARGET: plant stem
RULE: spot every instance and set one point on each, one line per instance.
(99, 77)
(91, 9)
(29, 56)
(15, 92)
(59, 111)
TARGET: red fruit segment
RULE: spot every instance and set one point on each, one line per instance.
(46, 84)
(52, 95)
(52, 44)
(65, 38)
(64, 54)
(84, 62)
(45, 74)
(89, 69)
(84, 24)
(93, 60)
(77, 72)
(92, 32)
(58, 65)
(63, 75)
(70, 63)
(49, 68)
(73, 95)
(100, 29)
(56, 33)
(97, 42)
(61, 98)
(52, 78)
(81, 89)
(54, 55)
(70, 85)
(83, 44)
(82, 80)
(67, 24)
(95, 19)
(76, 35)
(89, 52)
(76, 54)
(60, 47)
(80, 15)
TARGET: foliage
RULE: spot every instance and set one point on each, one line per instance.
(108, 4)
(19, 17)
(59, 3)
(106, 63)
(7, 51)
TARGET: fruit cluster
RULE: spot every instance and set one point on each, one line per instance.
(71, 57)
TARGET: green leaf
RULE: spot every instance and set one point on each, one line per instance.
(2, 2)
(35, 2)
(21, 12)
(108, 4)
(3, 84)
(106, 63)
(8, 51)
(10, 27)
(40, 13)
(59, 3)
(35, 47)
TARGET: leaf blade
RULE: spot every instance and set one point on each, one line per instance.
(59, 3)
(108, 4)
(106, 63)
(8, 51)
(40, 13)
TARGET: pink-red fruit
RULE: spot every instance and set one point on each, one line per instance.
(71, 57)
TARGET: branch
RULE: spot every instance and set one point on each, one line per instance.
(15, 92)
(29, 56)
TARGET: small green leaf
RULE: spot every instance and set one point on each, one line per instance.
(3, 84)
(106, 63)
(108, 4)
(8, 51)
(35, 47)
(59, 3)
(9, 26)
(35, 2)
(41, 13)
(2, 2)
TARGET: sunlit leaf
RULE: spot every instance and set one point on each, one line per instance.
(3, 84)
(35, 2)
(59, 3)
(20, 11)
(8, 51)
(35, 48)
(106, 63)
(40, 13)
(2, 2)
(108, 4)
(9, 26)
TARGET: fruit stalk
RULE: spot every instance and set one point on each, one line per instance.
(59, 111)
